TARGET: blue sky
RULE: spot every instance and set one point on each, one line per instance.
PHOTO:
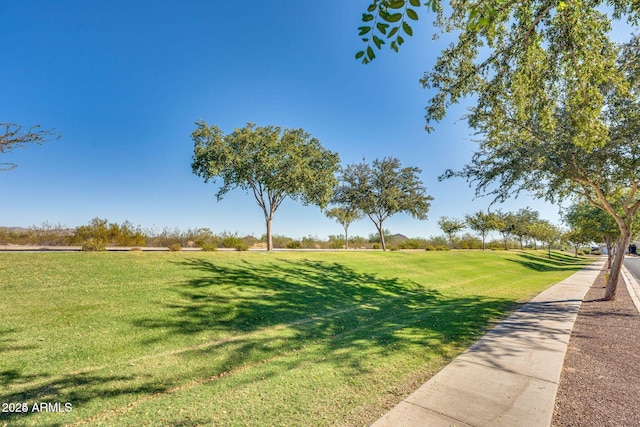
(124, 82)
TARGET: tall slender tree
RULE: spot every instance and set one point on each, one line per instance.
(345, 215)
(482, 223)
(450, 227)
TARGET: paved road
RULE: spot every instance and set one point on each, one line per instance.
(633, 265)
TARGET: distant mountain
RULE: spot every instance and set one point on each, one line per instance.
(14, 229)
(397, 237)
(24, 230)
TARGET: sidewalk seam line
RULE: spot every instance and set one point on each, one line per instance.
(437, 412)
(461, 357)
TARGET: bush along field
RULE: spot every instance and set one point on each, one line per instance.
(244, 338)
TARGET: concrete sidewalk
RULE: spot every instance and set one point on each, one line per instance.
(510, 376)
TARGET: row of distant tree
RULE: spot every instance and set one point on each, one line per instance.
(521, 229)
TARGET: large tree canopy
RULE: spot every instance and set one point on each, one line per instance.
(14, 136)
(556, 101)
(271, 163)
(574, 134)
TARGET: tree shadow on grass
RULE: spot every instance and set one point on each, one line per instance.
(270, 314)
(348, 313)
(7, 343)
(76, 389)
(557, 262)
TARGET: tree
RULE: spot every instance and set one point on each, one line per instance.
(597, 224)
(381, 190)
(556, 100)
(345, 215)
(482, 223)
(524, 218)
(271, 163)
(13, 136)
(546, 233)
(450, 227)
(577, 237)
(505, 223)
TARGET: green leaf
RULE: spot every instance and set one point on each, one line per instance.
(360, 54)
(398, 4)
(395, 17)
(407, 29)
(382, 27)
(370, 53)
(400, 40)
(378, 42)
(415, 3)
(372, 7)
(364, 30)
(412, 14)
(393, 32)
(366, 17)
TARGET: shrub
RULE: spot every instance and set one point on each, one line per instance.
(357, 240)
(442, 248)
(430, 248)
(241, 247)
(294, 244)
(376, 246)
(94, 245)
(228, 240)
(394, 248)
(278, 240)
(410, 244)
(208, 247)
(336, 244)
(175, 247)
(580, 252)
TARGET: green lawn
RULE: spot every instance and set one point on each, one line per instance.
(245, 338)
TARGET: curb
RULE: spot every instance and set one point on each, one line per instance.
(632, 286)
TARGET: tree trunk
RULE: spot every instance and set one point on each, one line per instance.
(346, 238)
(382, 243)
(483, 245)
(521, 246)
(269, 239)
(609, 251)
(618, 260)
(549, 248)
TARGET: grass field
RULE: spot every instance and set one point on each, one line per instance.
(244, 338)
